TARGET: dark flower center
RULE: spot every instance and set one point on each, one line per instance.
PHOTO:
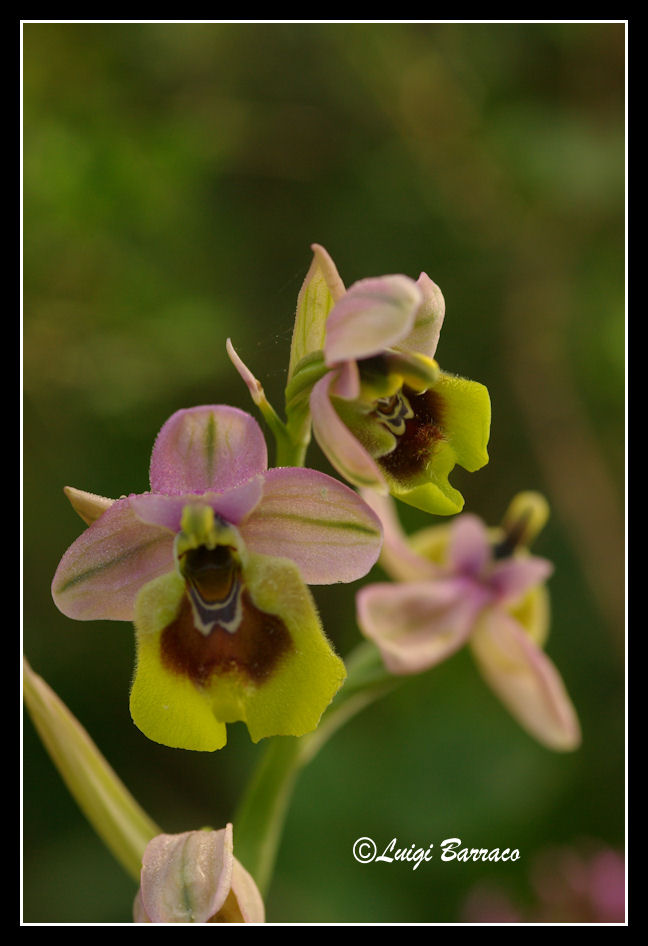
(422, 428)
(393, 412)
(218, 629)
(213, 579)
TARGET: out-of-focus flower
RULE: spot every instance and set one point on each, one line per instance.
(486, 903)
(362, 367)
(194, 878)
(462, 583)
(583, 884)
(211, 565)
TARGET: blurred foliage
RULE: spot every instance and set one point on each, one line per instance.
(175, 176)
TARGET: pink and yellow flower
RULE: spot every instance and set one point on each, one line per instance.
(211, 566)
(463, 584)
(384, 413)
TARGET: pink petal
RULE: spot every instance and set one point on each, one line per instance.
(346, 454)
(186, 877)
(316, 521)
(207, 449)
(139, 913)
(247, 895)
(233, 504)
(513, 577)
(103, 570)
(424, 336)
(253, 384)
(525, 680)
(373, 315)
(347, 381)
(397, 557)
(468, 549)
(417, 625)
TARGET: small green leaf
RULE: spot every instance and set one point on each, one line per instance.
(320, 291)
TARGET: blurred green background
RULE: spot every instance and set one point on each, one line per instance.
(175, 176)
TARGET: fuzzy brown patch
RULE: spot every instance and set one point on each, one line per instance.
(253, 650)
(422, 431)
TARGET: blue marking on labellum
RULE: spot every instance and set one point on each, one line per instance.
(394, 411)
(214, 586)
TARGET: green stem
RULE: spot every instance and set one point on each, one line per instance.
(291, 440)
(260, 817)
(289, 453)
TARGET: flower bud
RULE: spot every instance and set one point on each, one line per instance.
(194, 878)
(525, 517)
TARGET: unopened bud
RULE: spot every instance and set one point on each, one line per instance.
(524, 519)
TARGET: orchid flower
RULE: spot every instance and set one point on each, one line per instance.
(211, 566)
(362, 368)
(462, 583)
(194, 878)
